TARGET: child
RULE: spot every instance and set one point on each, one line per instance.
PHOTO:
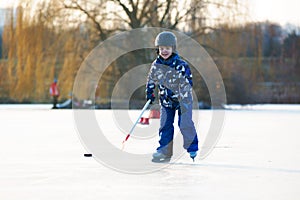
(174, 79)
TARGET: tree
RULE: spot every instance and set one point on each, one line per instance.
(66, 30)
(291, 46)
(272, 34)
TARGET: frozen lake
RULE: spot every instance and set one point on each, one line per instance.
(257, 156)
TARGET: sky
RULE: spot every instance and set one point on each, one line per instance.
(4, 3)
(280, 11)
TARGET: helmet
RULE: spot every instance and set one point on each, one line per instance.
(166, 38)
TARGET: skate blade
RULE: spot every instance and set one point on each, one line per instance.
(157, 160)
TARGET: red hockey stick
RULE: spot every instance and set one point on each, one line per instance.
(138, 119)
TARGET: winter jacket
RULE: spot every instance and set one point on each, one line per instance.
(54, 91)
(174, 79)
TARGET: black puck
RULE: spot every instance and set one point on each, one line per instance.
(88, 155)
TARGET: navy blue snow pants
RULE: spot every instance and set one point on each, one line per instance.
(187, 129)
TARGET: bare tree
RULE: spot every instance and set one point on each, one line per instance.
(192, 15)
(53, 42)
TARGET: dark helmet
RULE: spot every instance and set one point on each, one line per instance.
(166, 38)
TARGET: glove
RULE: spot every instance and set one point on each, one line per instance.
(151, 97)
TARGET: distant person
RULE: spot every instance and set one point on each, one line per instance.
(54, 92)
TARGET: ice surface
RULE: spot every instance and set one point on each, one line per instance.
(41, 158)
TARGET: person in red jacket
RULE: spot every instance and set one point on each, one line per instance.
(54, 92)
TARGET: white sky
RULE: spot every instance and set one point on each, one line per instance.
(281, 11)
(4, 3)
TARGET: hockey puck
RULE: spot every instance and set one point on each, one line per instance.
(88, 155)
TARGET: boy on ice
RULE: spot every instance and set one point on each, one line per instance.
(174, 79)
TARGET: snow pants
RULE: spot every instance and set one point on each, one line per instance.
(186, 125)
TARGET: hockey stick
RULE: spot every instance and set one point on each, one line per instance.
(138, 119)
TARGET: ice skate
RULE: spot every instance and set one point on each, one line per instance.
(193, 154)
(160, 157)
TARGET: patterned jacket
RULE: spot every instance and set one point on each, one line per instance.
(174, 79)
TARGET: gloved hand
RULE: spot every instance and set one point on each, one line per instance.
(150, 96)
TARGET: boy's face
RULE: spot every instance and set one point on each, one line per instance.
(165, 51)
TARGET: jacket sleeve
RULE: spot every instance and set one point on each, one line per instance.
(151, 80)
